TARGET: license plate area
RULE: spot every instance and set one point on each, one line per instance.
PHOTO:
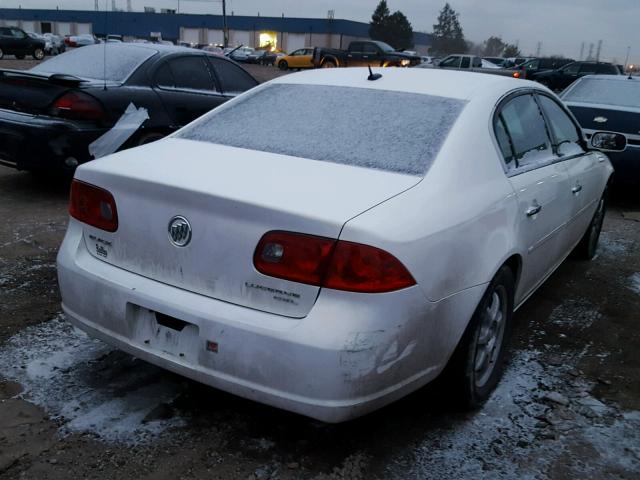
(164, 333)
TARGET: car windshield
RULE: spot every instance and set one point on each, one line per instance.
(385, 47)
(385, 130)
(89, 62)
(622, 93)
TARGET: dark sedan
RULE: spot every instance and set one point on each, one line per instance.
(610, 103)
(50, 114)
(561, 78)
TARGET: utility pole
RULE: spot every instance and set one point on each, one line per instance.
(598, 51)
(538, 49)
(626, 60)
(590, 56)
(225, 30)
(581, 51)
(97, 7)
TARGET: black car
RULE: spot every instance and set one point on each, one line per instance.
(612, 104)
(14, 41)
(531, 68)
(50, 114)
(262, 57)
(561, 78)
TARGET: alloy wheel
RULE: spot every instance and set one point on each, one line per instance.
(490, 336)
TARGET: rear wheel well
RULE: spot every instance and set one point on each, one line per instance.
(514, 262)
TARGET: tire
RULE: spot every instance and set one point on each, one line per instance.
(19, 57)
(329, 64)
(38, 54)
(478, 361)
(283, 65)
(588, 244)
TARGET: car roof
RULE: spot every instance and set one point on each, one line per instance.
(611, 78)
(428, 81)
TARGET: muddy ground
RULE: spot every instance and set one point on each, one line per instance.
(72, 407)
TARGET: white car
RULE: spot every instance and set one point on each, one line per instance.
(390, 228)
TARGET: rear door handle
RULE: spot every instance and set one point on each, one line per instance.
(577, 189)
(533, 210)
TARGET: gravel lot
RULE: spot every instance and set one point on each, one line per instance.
(71, 407)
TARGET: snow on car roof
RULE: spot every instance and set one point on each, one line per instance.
(441, 83)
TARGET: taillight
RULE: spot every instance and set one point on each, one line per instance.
(93, 205)
(330, 263)
(516, 74)
(77, 106)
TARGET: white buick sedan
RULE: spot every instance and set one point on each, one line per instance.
(326, 243)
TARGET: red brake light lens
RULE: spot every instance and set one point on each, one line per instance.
(330, 263)
(93, 205)
(293, 256)
(516, 74)
(362, 268)
(78, 106)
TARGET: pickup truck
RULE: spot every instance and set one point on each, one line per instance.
(363, 54)
(472, 63)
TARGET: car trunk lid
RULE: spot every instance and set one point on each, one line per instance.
(231, 197)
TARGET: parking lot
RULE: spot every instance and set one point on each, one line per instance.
(71, 407)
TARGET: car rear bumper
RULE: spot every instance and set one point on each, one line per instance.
(32, 142)
(352, 354)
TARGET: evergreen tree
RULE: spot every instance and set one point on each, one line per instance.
(379, 19)
(493, 47)
(399, 31)
(393, 29)
(511, 50)
(447, 33)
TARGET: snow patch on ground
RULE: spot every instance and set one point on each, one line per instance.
(87, 386)
(634, 282)
(520, 433)
(611, 246)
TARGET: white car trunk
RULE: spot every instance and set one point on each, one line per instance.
(231, 197)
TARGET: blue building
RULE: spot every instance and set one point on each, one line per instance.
(285, 33)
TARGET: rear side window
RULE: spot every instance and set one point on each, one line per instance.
(164, 77)
(608, 69)
(191, 73)
(588, 69)
(465, 62)
(572, 69)
(524, 125)
(379, 129)
(233, 79)
(369, 48)
(565, 134)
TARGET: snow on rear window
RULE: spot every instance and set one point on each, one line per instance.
(393, 131)
(622, 93)
(88, 62)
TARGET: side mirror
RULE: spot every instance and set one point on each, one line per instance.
(609, 141)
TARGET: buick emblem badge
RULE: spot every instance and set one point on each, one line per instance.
(179, 231)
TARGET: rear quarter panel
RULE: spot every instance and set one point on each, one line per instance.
(456, 227)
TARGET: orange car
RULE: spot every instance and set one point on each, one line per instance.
(300, 58)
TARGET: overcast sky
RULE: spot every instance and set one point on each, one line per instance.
(560, 25)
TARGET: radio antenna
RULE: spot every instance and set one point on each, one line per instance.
(106, 36)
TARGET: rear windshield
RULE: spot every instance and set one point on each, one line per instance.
(89, 62)
(385, 130)
(623, 93)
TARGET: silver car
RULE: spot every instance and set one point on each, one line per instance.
(332, 240)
